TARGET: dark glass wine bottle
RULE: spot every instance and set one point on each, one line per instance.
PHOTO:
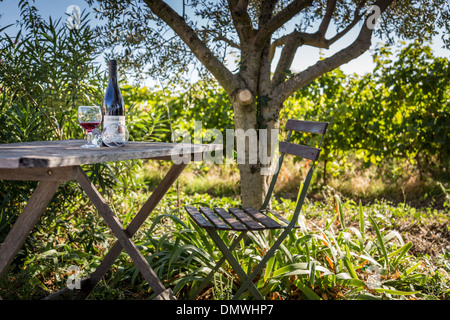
(113, 105)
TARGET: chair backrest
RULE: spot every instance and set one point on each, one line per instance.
(299, 150)
(303, 151)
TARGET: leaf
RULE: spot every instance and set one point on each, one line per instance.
(361, 222)
(269, 268)
(403, 251)
(338, 208)
(370, 259)
(409, 270)
(296, 269)
(312, 273)
(347, 280)
(393, 234)
(330, 262)
(395, 292)
(291, 269)
(380, 240)
(349, 266)
(310, 294)
(359, 236)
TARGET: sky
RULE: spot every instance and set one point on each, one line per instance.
(306, 56)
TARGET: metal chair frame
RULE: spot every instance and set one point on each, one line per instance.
(249, 219)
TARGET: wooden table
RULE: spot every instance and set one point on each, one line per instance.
(52, 162)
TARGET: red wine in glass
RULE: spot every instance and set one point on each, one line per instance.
(89, 126)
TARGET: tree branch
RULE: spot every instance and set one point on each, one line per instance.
(277, 21)
(357, 48)
(226, 78)
(230, 42)
(265, 13)
(331, 5)
(241, 20)
(318, 39)
(285, 62)
(291, 43)
(356, 18)
(296, 39)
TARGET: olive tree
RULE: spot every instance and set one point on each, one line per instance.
(163, 37)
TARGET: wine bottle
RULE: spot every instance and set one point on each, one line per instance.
(113, 105)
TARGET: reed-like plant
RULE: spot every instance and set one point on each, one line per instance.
(337, 261)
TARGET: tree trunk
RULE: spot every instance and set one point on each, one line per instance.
(253, 183)
(255, 145)
(254, 118)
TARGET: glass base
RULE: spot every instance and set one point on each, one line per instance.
(91, 141)
(90, 146)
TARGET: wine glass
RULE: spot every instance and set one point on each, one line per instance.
(89, 117)
(115, 135)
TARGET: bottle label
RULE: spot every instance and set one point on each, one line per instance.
(113, 119)
(118, 136)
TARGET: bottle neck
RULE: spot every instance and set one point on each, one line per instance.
(112, 70)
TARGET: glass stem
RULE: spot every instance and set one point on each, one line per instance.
(89, 137)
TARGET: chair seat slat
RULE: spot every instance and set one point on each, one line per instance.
(215, 220)
(246, 219)
(198, 217)
(225, 215)
(262, 218)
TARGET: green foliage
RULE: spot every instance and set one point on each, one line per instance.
(47, 71)
(401, 111)
(148, 46)
(146, 114)
(354, 254)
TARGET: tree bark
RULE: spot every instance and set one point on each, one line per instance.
(252, 182)
(256, 140)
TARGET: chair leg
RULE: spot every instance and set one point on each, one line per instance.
(237, 268)
(262, 263)
(218, 265)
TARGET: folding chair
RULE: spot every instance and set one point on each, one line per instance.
(249, 219)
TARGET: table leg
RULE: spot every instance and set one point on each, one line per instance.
(25, 222)
(135, 224)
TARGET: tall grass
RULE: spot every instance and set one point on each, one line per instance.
(335, 261)
(341, 250)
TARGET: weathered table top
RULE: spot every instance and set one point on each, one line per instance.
(61, 153)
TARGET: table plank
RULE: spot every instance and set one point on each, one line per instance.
(63, 153)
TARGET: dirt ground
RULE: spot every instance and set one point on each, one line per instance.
(431, 238)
